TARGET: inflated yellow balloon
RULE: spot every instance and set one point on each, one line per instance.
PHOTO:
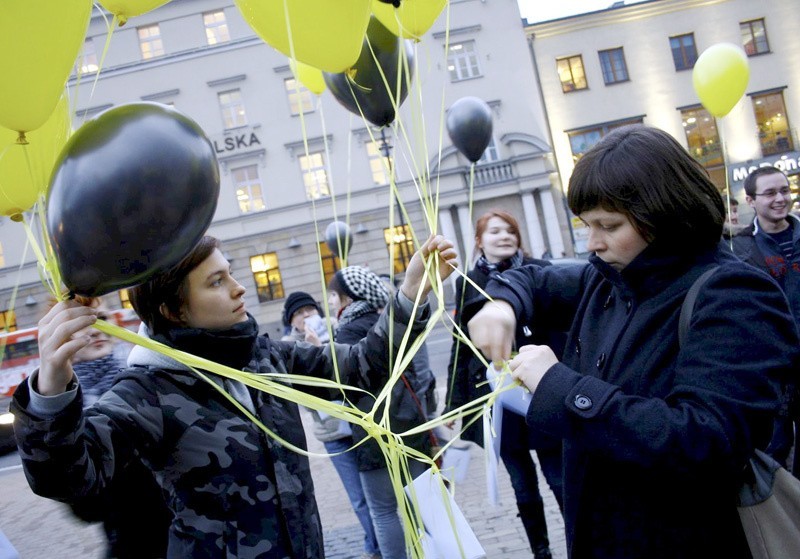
(308, 76)
(720, 77)
(325, 34)
(39, 42)
(125, 9)
(25, 169)
(412, 19)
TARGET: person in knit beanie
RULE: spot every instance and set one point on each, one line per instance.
(356, 291)
(298, 309)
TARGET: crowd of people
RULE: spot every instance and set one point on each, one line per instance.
(641, 432)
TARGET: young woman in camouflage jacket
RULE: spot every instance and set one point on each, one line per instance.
(233, 491)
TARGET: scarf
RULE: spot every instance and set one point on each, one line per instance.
(355, 310)
(488, 267)
(97, 376)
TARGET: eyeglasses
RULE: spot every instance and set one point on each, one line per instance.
(772, 193)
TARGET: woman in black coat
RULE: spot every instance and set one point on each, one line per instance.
(656, 431)
(498, 243)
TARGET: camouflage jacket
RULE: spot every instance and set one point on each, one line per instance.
(234, 492)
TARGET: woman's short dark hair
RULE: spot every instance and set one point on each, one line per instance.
(169, 288)
(645, 173)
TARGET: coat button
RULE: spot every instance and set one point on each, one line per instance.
(583, 402)
(601, 360)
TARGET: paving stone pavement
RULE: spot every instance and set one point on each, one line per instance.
(497, 527)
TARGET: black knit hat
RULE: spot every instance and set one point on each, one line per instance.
(360, 284)
(296, 301)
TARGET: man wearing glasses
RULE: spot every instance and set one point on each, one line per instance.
(772, 243)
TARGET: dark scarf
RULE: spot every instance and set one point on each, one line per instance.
(354, 310)
(232, 347)
(97, 376)
(488, 267)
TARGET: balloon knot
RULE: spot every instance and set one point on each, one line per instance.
(122, 20)
(21, 139)
(17, 216)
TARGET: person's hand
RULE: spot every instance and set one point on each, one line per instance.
(531, 363)
(492, 330)
(416, 268)
(58, 343)
(312, 337)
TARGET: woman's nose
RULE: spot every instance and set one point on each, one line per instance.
(239, 289)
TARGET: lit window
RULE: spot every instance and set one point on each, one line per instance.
(150, 41)
(330, 262)
(612, 62)
(232, 109)
(462, 61)
(379, 164)
(300, 98)
(582, 140)
(216, 28)
(267, 276)
(2, 256)
(88, 58)
(125, 299)
(315, 176)
(8, 321)
(571, 74)
(754, 37)
(774, 132)
(702, 136)
(401, 246)
(684, 51)
(249, 194)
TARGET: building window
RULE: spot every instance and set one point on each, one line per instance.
(773, 125)
(571, 74)
(249, 194)
(8, 321)
(684, 51)
(754, 37)
(330, 262)
(88, 58)
(612, 62)
(150, 41)
(300, 98)
(462, 61)
(125, 299)
(702, 136)
(379, 164)
(267, 276)
(216, 27)
(490, 154)
(315, 176)
(232, 109)
(2, 257)
(581, 140)
(400, 243)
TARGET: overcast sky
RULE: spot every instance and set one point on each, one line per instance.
(544, 10)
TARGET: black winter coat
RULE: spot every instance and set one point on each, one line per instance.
(656, 435)
(404, 413)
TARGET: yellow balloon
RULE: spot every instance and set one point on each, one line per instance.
(25, 168)
(125, 9)
(720, 77)
(325, 34)
(39, 42)
(412, 19)
(308, 76)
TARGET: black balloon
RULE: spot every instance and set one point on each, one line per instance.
(338, 234)
(363, 85)
(469, 124)
(131, 194)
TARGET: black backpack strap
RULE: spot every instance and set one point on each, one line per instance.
(688, 303)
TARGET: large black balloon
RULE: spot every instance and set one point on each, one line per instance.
(363, 85)
(469, 124)
(132, 192)
(338, 234)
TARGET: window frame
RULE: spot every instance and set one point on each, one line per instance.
(575, 86)
(248, 184)
(753, 38)
(153, 40)
(471, 67)
(265, 290)
(614, 71)
(330, 262)
(687, 63)
(217, 32)
(298, 96)
(233, 112)
(402, 257)
(314, 189)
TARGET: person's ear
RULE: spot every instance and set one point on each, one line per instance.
(169, 315)
(750, 201)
